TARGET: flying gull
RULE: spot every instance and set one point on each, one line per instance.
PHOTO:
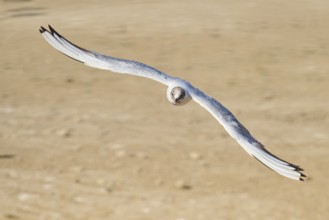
(179, 92)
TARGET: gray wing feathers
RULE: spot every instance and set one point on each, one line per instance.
(100, 61)
(245, 139)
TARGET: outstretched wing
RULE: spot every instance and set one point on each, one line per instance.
(101, 61)
(244, 138)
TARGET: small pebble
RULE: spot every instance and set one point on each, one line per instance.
(11, 216)
(24, 197)
(146, 210)
(121, 154)
(69, 80)
(195, 156)
(101, 182)
(64, 132)
(181, 184)
(108, 189)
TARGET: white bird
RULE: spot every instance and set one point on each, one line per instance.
(179, 92)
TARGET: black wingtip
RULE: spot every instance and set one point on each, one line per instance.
(296, 168)
(54, 32)
(42, 30)
(302, 177)
(51, 28)
(299, 168)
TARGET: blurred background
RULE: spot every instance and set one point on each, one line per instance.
(81, 143)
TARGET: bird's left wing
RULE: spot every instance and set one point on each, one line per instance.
(244, 138)
(101, 61)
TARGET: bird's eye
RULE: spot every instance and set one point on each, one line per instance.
(172, 95)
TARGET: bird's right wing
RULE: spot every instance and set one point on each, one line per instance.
(244, 138)
(100, 61)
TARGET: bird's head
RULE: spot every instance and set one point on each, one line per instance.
(178, 96)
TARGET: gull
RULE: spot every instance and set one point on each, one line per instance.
(179, 92)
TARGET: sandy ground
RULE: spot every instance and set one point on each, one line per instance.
(81, 143)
